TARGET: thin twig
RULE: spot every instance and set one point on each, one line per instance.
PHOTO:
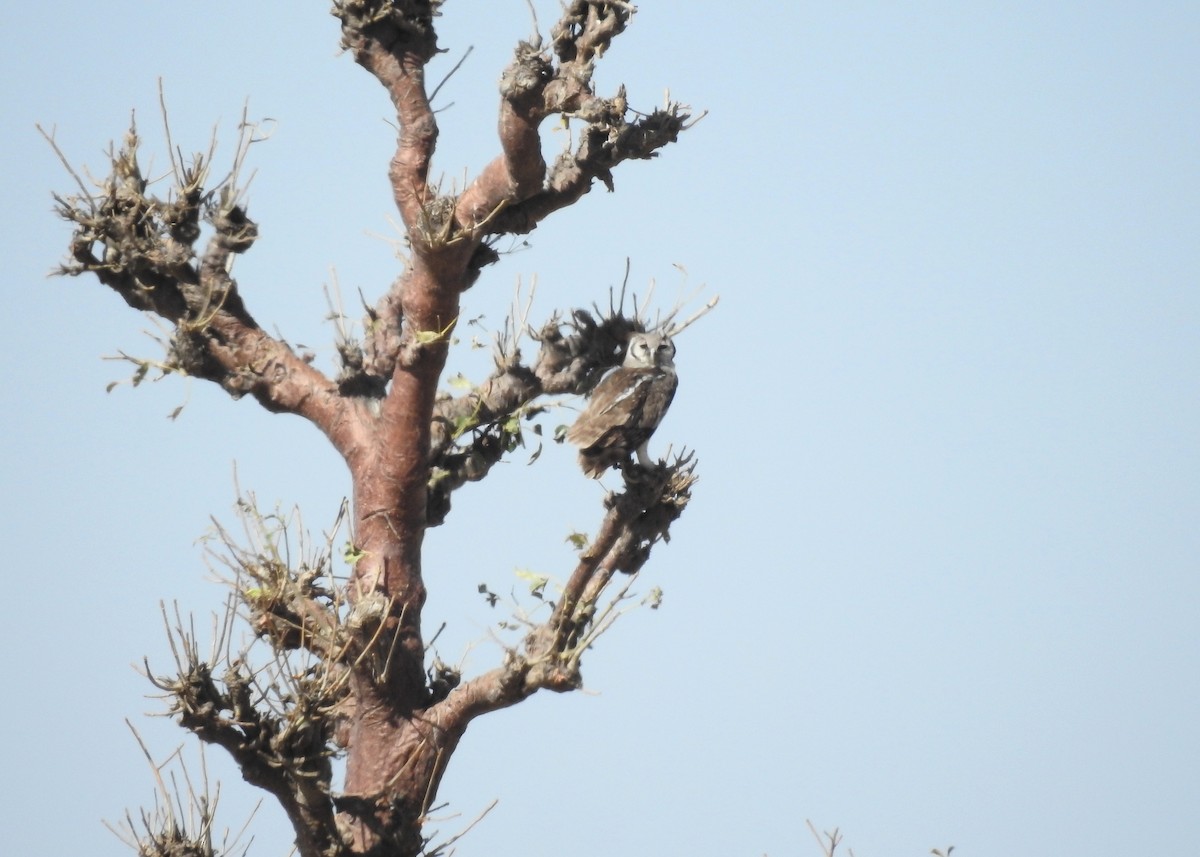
(146, 752)
(63, 158)
(537, 32)
(696, 316)
(162, 107)
(450, 73)
(441, 848)
(834, 839)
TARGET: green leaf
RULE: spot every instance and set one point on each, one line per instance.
(351, 554)
(464, 424)
(460, 382)
(428, 337)
(537, 582)
(577, 540)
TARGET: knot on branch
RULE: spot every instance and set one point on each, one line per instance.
(443, 678)
(393, 820)
(587, 28)
(368, 615)
(389, 38)
(182, 214)
(390, 22)
(356, 377)
(560, 675)
(642, 139)
(524, 79)
(366, 369)
(236, 232)
(607, 112)
(470, 463)
(436, 227)
(291, 609)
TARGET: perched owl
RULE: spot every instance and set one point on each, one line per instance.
(627, 406)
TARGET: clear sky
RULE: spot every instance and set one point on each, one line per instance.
(938, 584)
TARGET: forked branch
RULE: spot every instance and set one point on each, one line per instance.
(515, 192)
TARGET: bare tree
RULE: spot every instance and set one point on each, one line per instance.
(350, 673)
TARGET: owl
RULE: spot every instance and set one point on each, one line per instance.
(627, 406)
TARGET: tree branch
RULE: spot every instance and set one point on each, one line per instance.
(281, 746)
(602, 147)
(471, 433)
(513, 193)
(636, 519)
(141, 246)
(394, 41)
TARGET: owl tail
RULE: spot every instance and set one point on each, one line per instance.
(596, 464)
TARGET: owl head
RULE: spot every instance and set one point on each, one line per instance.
(649, 350)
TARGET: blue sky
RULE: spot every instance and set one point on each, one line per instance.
(938, 584)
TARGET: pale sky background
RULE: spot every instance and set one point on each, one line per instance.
(938, 584)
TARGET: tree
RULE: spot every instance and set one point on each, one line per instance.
(349, 672)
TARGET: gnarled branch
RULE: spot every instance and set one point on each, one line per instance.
(635, 520)
(142, 247)
(514, 192)
(279, 739)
